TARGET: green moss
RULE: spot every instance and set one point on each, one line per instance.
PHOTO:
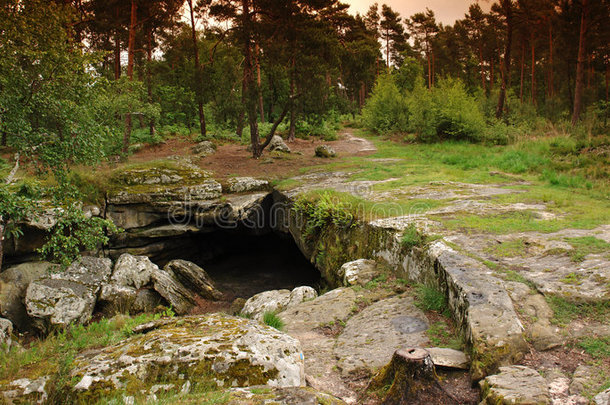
(586, 245)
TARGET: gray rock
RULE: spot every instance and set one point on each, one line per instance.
(166, 284)
(515, 385)
(603, 398)
(204, 148)
(301, 294)
(246, 184)
(133, 271)
(544, 335)
(116, 298)
(267, 301)
(6, 331)
(13, 284)
(325, 151)
(234, 352)
(582, 379)
(450, 358)
(260, 395)
(278, 144)
(335, 305)
(60, 299)
(359, 271)
(371, 337)
(146, 301)
(205, 190)
(27, 391)
(194, 278)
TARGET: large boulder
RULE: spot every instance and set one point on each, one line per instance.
(146, 301)
(359, 271)
(13, 284)
(204, 148)
(133, 271)
(166, 284)
(230, 351)
(116, 298)
(325, 151)
(515, 385)
(194, 278)
(6, 331)
(246, 184)
(278, 144)
(60, 299)
(276, 301)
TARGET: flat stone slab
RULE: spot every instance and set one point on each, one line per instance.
(450, 358)
(515, 385)
(333, 306)
(372, 336)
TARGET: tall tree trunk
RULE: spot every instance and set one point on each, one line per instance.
(131, 51)
(429, 69)
(433, 65)
(580, 66)
(387, 49)
(198, 73)
(2, 240)
(551, 85)
(508, 12)
(259, 82)
(117, 48)
(533, 46)
(293, 104)
(522, 70)
(248, 81)
(607, 80)
(482, 68)
(491, 73)
(151, 124)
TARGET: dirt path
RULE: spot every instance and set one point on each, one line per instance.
(234, 160)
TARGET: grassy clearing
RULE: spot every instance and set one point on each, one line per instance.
(565, 311)
(509, 248)
(597, 347)
(586, 245)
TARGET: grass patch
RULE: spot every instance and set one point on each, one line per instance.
(430, 299)
(270, 318)
(586, 245)
(597, 347)
(441, 335)
(565, 311)
(411, 238)
(510, 248)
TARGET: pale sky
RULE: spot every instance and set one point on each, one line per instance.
(446, 11)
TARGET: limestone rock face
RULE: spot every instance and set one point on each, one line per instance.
(371, 337)
(194, 278)
(359, 271)
(13, 284)
(276, 301)
(67, 297)
(6, 330)
(234, 352)
(166, 284)
(330, 307)
(133, 271)
(262, 395)
(246, 184)
(146, 300)
(325, 151)
(603, 398)
(204, 148)
(117, 298)
(278, 144)
(515, 385)
(27, 391)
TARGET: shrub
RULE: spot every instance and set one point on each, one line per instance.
(322, 211)
(411, 238)
(270, 318)
(430, 299)
(386, 110)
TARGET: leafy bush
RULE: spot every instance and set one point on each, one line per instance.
(411, 238)
(430, 299)
(270, 318)
(322, 211)
(386, 110)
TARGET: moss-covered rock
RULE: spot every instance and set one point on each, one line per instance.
(225, 350)
(263, 395)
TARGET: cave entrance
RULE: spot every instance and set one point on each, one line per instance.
(242, 265)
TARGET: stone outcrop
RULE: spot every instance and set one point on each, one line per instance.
(358, 272)
(246, 184)
(193, 278)
(233, 352)
(60, 299)
(166, 284)
(14, 282)
(325, 151)
(263, 395)
(6, 332)
(449, 358)
(515, 385)
(204, 148)
(276, 301)
(133, 271)
(278, 144)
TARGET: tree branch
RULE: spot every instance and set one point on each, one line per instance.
(11, 175)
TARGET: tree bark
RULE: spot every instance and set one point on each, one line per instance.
(198, 73)
(482, 68)
(151, 124)
(130, 62)
(412, 380)
(2, 240)
(117, 48)
(533, 46)
(293, 106)
(580, 66)
(551, 89)
(522, 70)
(259, 82)
(508, 12)
(248, 81)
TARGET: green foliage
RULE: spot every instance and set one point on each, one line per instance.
(75, 232)
(441, 335)
(598, 347)
(270, 318)
(411, 238)
(565, 311)
(322, 210)
(16, 204)
(430, 299)
(586, 245)
(386, 110)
